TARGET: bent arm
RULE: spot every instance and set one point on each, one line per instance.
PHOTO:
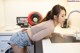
(41, 34)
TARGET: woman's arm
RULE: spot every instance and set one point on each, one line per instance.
(41, 34)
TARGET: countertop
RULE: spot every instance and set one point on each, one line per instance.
(49, 47)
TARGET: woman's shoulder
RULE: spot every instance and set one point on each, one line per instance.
(50, 23)
(44, 24)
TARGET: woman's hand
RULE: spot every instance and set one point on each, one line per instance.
(24, 30)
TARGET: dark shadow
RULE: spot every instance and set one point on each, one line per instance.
(57, 38)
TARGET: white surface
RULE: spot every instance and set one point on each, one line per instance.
(9, 30)
(4, 39)
(68, 32)
(2, 19)
(14, 8)
(65, 31)
(49, 47)
(4, 47)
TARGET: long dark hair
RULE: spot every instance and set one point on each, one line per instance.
(55, 11)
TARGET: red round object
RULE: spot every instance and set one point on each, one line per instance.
(30, 21)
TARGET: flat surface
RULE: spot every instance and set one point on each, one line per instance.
(49, 47)
(65, 31)
(9, 30)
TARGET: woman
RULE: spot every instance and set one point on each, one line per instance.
(23, 38)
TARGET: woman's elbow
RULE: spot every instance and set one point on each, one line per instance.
(35, 39)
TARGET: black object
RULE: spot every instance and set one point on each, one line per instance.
(38, 48)
(37, 17)
(65, 24)
(9, 51)
(22, 21)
